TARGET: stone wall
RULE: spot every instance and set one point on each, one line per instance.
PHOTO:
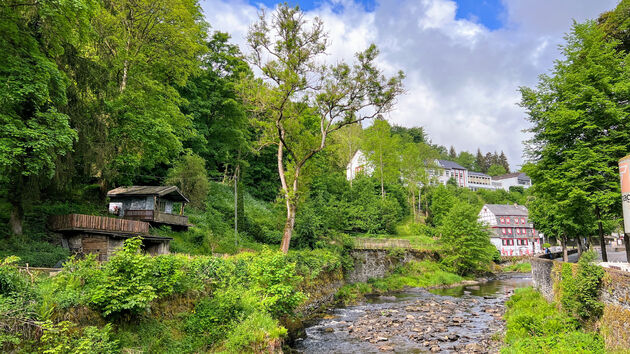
(615, 295)
(379, 263)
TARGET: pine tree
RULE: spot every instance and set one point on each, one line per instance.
(479, 161)
(452, 153)
(504, 162)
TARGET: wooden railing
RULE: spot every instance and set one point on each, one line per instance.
(80, 222)
(379, 243)
(156, 216)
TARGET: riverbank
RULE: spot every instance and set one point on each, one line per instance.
(464, 318)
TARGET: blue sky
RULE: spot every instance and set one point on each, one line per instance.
(486, 12)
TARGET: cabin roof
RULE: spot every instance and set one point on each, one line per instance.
(167, 192)
(507, 209)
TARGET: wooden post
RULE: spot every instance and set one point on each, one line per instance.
(181, 210)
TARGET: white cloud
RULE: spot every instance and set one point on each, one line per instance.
(462, 79)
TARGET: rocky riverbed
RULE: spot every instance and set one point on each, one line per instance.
(465, 319)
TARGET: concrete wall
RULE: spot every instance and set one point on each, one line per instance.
(615, 295)
(380, 263)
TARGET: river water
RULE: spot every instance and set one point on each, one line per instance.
(460, 319)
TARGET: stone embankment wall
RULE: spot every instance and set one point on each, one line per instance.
(615, 295)
(368, 264)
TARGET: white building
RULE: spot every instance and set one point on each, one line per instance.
(448, 169)
(358, 165)
(511, 231)
(478, 180)
(513, 179)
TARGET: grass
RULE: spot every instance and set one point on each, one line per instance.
(522, 267)
(535, 326)
(420, 236)
(412, 274)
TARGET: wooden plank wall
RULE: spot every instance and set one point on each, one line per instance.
(94, 222)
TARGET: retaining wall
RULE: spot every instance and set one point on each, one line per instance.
(615, 295)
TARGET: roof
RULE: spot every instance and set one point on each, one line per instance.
(450, 165)
(519, 175)
(473, 173)
(507, 209)
(170, 192)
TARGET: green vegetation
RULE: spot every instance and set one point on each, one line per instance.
(535, 326)
(579, 288)
(520, 267)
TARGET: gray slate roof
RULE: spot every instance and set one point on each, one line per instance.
(473, 173)
(170, 192)
(450, 165)
(507, 209)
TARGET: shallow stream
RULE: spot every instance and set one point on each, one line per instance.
(460, 319)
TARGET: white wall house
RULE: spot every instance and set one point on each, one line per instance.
(511, 231)
(478, 180)
(446, 170)
(513, 179)
(358, 165)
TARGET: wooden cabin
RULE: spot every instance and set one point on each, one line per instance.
(158, 205)
(84, 234)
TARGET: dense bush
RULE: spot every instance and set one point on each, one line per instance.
(64, 337)
(579, 292)
(535, 326)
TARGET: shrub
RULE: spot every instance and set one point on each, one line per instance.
(12, 283)
(215, 317)
(579, 292)
(535, 326)
(128, 282)
(258, 333)
(275, 281)
(64, 337)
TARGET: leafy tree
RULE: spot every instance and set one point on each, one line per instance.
(467, 242)
(286, 51)
(442, 200)
(382, 150)
(413, 171)
(467, 160)
(33, 130)
(189, 174)
(579, 123)
(496, 170)
(218, 115)
(413, 134)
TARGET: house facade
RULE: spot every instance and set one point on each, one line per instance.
(358, 165)
(153, 204)
(517, 179)
(511, 231)
(478, 180)
(448, 169)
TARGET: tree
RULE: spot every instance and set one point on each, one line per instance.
(145, 49)
(382, 151)
(218, 115)
(467, 160)
(189, 174)
(452, 154)
(413, 171)
(480, 162)
(580, 126)
(34, 131)
(301, 102)
(504, 162)
(496, 170)
(413, 134)
(467, 246)
(442, 200)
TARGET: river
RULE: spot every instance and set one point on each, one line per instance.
(460, 319)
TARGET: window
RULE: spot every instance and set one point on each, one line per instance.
(516, 221)
(509, 231)
(518, 231)
(503, 230)
(504, 242)
(502, 220)
(524, 231)
(522, 220)
(507, 220)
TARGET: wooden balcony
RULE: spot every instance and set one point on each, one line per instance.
(81, 222)
(156, 217)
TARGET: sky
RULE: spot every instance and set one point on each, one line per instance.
(464, 60)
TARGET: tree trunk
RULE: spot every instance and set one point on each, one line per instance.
(626, 241)
(602, 241)
(17, 214)
(413, 205)
(580, 246)
(288, 227)
(565, 253)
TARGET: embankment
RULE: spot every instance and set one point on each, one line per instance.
(614, 294)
